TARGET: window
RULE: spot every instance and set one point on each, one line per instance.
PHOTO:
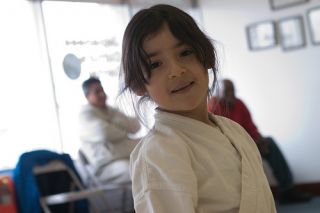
(93, 33)
(39, 102)
(27, 114)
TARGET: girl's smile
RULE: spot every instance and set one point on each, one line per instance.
(182, 87)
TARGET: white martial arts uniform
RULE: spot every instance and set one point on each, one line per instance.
(184, 165)
(105, 142)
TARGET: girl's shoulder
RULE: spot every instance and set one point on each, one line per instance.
(157, 138)
(234, 130)
(154, 162)
(225, 122)
(156, 143)
(229, 126)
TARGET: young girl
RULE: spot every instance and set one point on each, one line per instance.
(191, 161)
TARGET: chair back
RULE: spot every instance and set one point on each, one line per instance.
(41, 173)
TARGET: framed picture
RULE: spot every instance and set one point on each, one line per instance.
(280, 4)
(313, 16)
(291, 33)
(261, 35)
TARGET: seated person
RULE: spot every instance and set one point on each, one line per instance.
(104, 135)
(228, 105)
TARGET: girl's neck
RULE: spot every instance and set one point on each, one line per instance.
(200, 114)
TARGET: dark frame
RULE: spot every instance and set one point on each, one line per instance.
(261, 35)
(313, 16)
(281, 4)
(291, 33)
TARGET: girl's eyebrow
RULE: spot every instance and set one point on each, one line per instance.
(152, 54)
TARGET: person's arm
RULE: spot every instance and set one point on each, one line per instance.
(130, 124)
(247, 122)
(160, 201)
(94, 128)
(252, 129)
(162, 177)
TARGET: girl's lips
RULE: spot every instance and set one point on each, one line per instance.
(181, 88)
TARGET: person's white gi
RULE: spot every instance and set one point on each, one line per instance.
(184, 165)
(105, 142)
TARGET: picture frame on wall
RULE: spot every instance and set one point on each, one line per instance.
(291, 33)
(261, 35)
(313, 16)
(281, 4)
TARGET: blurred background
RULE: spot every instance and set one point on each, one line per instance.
(40, 95)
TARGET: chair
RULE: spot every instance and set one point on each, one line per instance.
(121, 191)
(68, 189)
(49, 180)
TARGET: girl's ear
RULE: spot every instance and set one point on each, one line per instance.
(140, 91)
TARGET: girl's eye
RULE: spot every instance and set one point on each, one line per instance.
(154, 65)
(187, 52)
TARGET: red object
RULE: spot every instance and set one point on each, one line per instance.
(7, 196)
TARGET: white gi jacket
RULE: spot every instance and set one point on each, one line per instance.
(104, 138)
(184, 165)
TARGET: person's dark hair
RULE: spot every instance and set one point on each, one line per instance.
(135, 63)
(87, 83)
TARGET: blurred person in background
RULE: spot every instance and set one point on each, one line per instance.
(104, 134)
(228, 105)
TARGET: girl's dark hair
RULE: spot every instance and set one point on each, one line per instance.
(136, 64)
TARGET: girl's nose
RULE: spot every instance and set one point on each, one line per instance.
(176, 70)
(102, 94)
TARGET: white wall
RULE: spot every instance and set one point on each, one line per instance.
(279, 87)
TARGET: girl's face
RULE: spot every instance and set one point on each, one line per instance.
(178, 82)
